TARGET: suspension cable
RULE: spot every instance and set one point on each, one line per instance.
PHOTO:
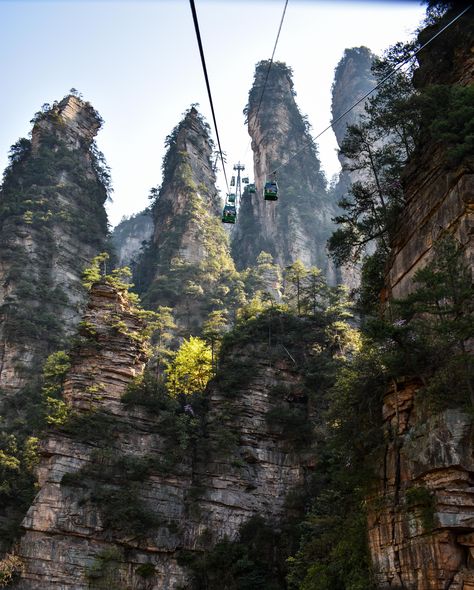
(389, 75)
(271, 59)
(268, 70)
(203, 61)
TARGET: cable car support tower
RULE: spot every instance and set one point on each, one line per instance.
(234, 198)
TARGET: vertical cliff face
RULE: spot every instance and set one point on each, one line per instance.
(125, 488)
(188, 260)
(299, 223)
(421, 521)
(52, 222)
(421, 516)
(438, 193)
(352, 80)
(130, 236)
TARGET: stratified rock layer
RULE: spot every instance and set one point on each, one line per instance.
(421, 521)
(298, 225)
(241, 468)
(421, 516)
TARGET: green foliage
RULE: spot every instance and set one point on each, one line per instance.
(122, 510)
(377, 147)
(420, 498)
(18, 459)
(97, 269)
(291, 421)
(10, 568)
(449, 115)
(333, 549)
(112, 482)
(179, 428)
(256, 561)
(92, 427)
(54, 374)
(104, 572)
(424, 337)
(427, 333)
(146, 570)
(372, 282)
(190, 369)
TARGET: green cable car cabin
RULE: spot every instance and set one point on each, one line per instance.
(231, 198)
(229, 214)
(252, 188)
(270, 191)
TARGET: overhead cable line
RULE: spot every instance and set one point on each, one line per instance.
(269, 67)
(367, 94)
(203, 61)
(271, 59)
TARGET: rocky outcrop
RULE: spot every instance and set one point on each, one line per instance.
(52, 222)
(187, 265)
(298, 225)
(130, 236)
(421, 520)
(117, 503)
(439, 196)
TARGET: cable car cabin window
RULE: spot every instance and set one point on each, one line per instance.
(229, 214)
(231, 198)
(270, 191)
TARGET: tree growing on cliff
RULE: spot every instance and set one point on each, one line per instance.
(190, 369)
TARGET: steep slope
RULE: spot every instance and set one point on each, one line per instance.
(131, 488)
(187, 265)
(52, 222)
(299, 223)
(421, 516)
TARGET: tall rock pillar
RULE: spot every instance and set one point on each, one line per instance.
(298, 225)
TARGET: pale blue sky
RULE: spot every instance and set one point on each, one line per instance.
(137, 62)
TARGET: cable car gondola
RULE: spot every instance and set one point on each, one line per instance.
(252, 188)
(232, 181)
(270, 191)
(245, 179)
(231, 198)
(229, 214)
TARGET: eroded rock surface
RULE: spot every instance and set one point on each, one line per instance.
(439, 196)
(298, 225)
(241, 467)
(51, 224)
(421, 520)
